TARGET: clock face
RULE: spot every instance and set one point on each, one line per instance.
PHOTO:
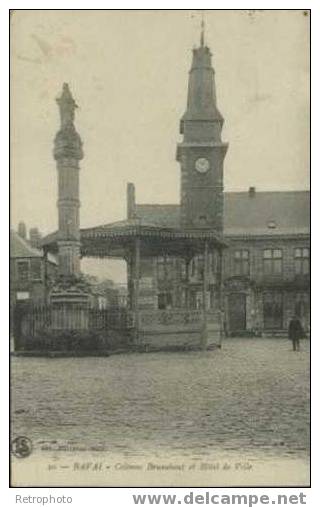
(202, 165)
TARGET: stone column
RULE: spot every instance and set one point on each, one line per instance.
(67, 153)
(70, 295)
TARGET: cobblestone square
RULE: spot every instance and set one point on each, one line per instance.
(250, 397)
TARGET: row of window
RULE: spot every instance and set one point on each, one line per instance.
(273, 309)
(272, 261)
(166, 267)
(272, 264)
(29, 270)
(195, 300)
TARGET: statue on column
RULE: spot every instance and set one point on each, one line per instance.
(70, 287)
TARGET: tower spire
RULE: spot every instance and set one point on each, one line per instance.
(201, 152)
(202, 31)
(202, 102)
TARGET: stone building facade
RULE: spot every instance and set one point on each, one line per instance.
(266, 266)
(31, 270)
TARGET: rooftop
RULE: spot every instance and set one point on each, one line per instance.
(21, 248)
(245, 213)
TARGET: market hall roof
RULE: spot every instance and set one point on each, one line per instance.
(118, 239)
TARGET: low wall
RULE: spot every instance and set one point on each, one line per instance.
(178, 329)
(66, 327)
(75, 327)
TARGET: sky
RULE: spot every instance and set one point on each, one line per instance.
(128, 72)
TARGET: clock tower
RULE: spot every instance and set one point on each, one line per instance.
(201, 152)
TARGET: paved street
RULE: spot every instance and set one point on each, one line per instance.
(251, 397)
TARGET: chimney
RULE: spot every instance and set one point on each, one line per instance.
(252, 191)
(22, 230)
(131, 201)
(34, 237)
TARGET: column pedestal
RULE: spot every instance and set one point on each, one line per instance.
(70, 306)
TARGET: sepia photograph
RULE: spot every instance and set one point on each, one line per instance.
(160, 248)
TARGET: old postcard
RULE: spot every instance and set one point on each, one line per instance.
(160, 248)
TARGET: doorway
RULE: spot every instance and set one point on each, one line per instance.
(273, 310)
(237, 312)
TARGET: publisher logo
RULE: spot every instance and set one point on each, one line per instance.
(21, 447)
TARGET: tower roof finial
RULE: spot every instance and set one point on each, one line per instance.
(202, 31)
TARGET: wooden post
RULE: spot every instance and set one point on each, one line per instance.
(204, 337)
(221, 313)
(130, 297)
(136, 284)
(187, 301)
(45, 276)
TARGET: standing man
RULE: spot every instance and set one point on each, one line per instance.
(295, 332)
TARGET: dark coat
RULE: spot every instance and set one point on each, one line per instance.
(295, 329)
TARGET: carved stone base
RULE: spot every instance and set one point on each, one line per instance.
(70, 300)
